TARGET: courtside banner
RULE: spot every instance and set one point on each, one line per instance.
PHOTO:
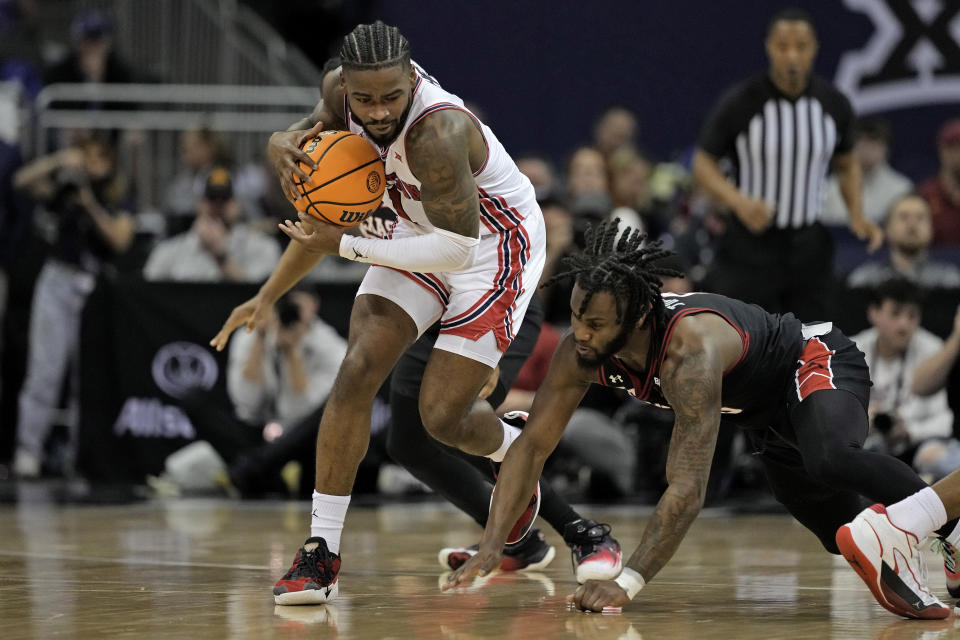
(144, 347)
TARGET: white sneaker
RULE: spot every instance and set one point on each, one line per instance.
(888, 559)
(26, 465)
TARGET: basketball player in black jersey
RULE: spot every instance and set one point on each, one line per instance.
(799, 391)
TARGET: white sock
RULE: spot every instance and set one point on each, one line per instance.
(326, 519)
(510, 433)
(921, 514)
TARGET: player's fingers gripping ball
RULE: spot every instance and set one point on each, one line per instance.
(347, 184)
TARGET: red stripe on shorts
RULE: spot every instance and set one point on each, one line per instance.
(814, 372)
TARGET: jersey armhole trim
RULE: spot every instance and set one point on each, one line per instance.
(744, 336)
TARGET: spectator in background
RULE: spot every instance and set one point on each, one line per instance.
(218, 246)
(587, 174)
(942, 191)
(629, 174)
(201, 150)
(882, 185)
(92, 59)
(542, 175)
(940, 371)
(782, 131)
(615, 129)
(559, 223)
(283, 371)
(902, 422)
(588, 192)
(82, 190)
(908, 230)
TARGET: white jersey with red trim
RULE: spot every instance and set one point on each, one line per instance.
(506, 195)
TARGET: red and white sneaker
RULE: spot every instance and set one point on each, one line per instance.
(524, 523)
(595, 553)
(531, 554)
(312, 579)
(888, 559)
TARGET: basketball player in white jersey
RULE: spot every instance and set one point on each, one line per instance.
(468, 249)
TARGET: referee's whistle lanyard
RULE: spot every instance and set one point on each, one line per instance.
(901, 375)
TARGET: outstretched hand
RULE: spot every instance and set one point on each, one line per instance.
(314, 235)
(595, 595)
(480, 564)
(253, 313)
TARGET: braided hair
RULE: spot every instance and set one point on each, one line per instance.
(374, 46)
(623, 266)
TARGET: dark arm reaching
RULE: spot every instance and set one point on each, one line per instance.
(701, 349)
(555, 402)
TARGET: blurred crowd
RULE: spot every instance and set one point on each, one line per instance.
(67, 222)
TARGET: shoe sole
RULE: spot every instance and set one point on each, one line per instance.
(882, 592)
(542, 564)
(444, 555)
(307, 596)
(585, 572)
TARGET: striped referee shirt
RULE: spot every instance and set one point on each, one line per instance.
(780, 147)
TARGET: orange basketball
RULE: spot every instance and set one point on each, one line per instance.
(347, 184)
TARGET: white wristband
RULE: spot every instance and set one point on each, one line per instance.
(631, 582)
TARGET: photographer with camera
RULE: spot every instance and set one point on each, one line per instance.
(915, 429)
(81, 193)
(278, 380)
(284, 370)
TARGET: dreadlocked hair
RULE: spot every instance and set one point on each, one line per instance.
(374, 46)
(624, 266)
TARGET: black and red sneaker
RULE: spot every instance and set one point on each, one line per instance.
(532, 553)
(595, 553)
(313, 577)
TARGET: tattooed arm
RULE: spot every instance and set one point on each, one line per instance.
(438, 149)
(701, 349)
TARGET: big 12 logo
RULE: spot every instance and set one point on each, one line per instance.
(912, 58)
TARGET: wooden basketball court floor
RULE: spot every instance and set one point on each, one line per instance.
(205, 568)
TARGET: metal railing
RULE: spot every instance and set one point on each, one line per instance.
(159, 113)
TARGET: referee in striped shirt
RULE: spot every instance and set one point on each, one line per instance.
(781, 132)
